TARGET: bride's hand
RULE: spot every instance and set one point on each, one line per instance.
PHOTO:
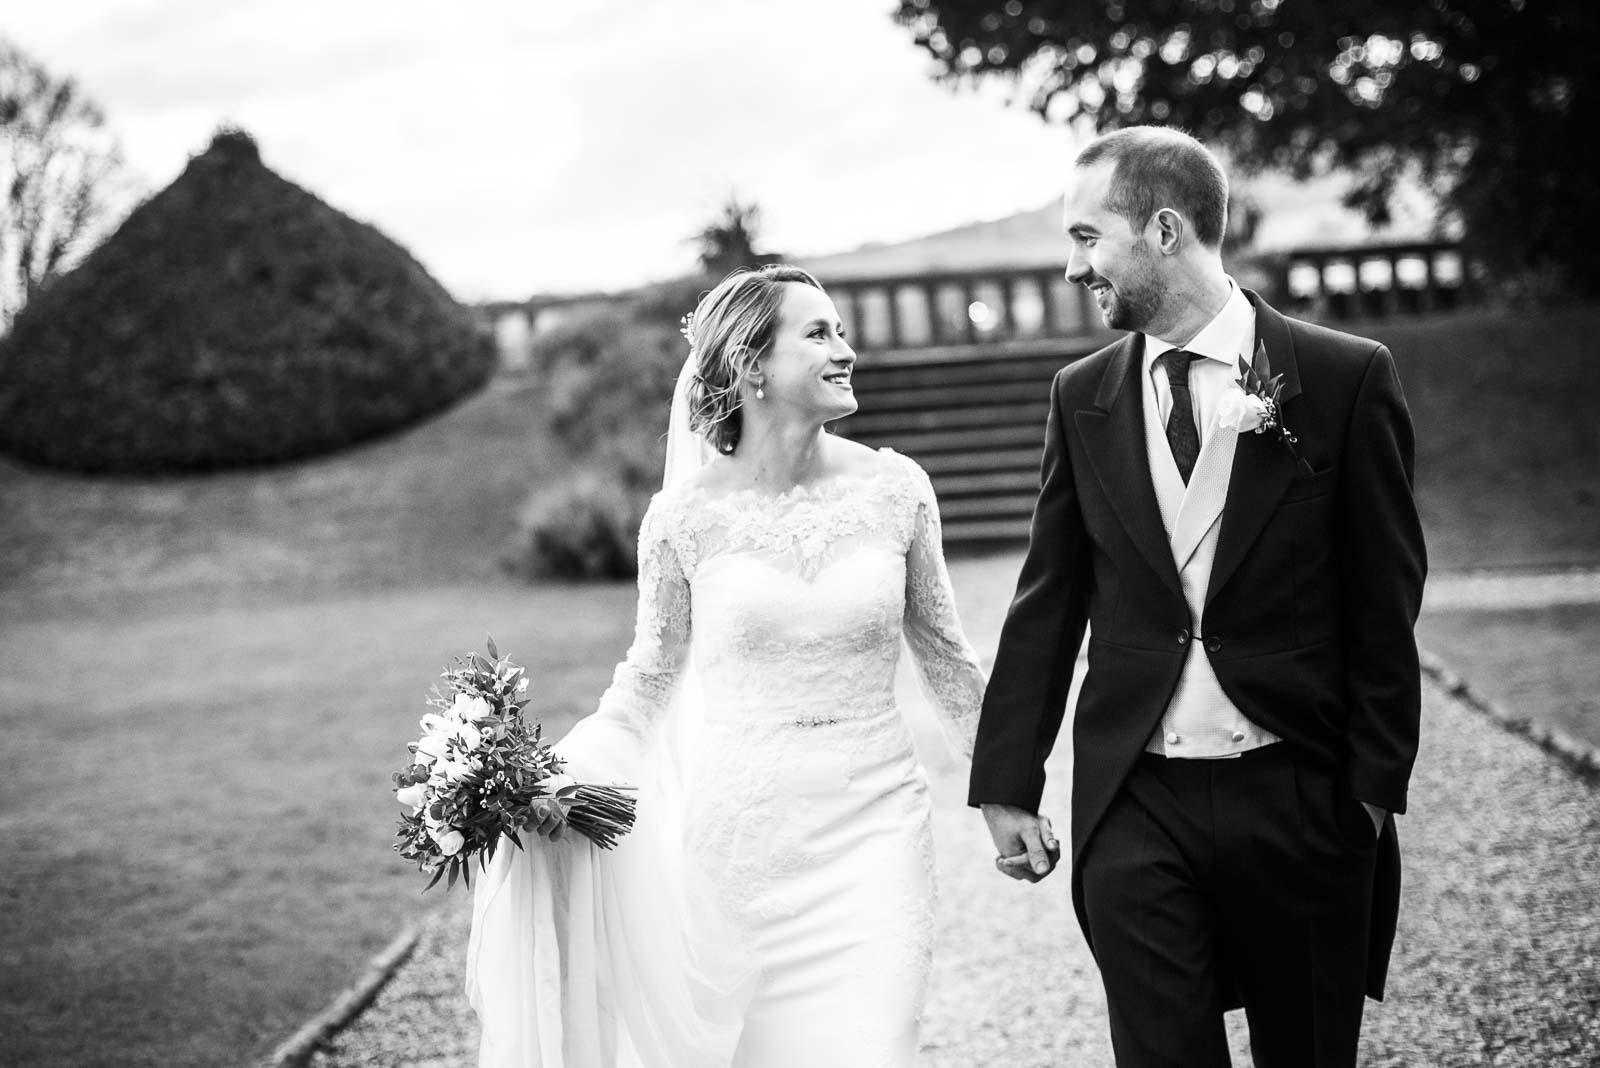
(1025, 843)
(547, 820)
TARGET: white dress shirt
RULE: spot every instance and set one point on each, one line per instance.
(1228, 336)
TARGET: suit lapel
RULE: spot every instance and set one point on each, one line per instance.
(1113, 436)
(1208, 489)
(1262, 465)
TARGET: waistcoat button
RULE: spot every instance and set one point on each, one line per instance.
(1213, 645)
(1183, 637)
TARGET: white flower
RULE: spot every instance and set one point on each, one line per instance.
(1241, 412)
(450, 771)
(412, 796)
(471, 709)
(438, 730)
(468, 736)
(449, 841)
(430, 748)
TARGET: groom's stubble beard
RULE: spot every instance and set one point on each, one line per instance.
(1136, 301)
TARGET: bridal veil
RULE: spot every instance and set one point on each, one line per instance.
(586, 958)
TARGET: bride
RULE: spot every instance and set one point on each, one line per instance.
(773, 906)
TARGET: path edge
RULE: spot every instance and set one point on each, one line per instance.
(1580, 758)
(296, 1050)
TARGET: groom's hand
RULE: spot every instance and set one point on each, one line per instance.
(1025, 844)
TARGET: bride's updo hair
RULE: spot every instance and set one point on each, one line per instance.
(730, 329)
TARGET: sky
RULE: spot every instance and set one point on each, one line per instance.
(526, 146)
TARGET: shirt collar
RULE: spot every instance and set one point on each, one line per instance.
(1227, 337)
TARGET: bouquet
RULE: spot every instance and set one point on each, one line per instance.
(481, 767)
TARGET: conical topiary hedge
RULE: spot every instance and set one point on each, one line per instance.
(233, 319)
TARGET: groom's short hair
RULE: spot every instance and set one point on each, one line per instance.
(1160, 167)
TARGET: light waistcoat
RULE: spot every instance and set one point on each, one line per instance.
(1200, 721)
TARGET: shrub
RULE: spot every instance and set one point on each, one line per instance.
(611, 369)
(233, 319)
(613, 407)
(586, 527)
(608, 375)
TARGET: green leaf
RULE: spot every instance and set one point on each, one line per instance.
(493, 652)
(1263, 365)
(437, 875)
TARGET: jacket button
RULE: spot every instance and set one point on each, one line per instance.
(1183, 637)
(1213, 645)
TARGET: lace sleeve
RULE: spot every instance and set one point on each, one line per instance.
(643, 683)
(949, 669)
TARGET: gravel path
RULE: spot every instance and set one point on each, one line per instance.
(1497, 961)
(1502, 589)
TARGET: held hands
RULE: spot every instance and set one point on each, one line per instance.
(1025, 843)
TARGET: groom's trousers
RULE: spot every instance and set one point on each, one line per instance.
(1214, 882)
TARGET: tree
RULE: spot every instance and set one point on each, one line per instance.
(59, 173)
(1489, 103)
(729, 240)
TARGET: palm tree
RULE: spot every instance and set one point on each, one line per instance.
(729, 240)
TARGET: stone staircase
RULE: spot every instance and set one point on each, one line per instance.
(974, 418)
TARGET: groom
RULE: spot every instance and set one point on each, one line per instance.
(1248, 721)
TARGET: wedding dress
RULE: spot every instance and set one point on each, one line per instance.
(774, 905)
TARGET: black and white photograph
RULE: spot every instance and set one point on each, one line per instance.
(865, 534)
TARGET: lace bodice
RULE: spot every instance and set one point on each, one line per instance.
(795, 605)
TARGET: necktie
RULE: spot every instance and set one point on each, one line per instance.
(1182, 433)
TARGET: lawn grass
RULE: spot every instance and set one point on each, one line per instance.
(197, 812)
(1542, 663)
(433, 505)
(1508, 446)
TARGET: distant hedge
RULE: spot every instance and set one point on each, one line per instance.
(608, 376)
(233, 319)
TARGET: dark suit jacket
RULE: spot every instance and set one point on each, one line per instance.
(1308, 618)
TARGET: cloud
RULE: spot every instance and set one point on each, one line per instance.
(519, 145)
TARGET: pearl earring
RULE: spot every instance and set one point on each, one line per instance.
(761, 394)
